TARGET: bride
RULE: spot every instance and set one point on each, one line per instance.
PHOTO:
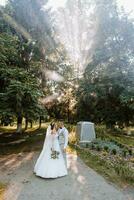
(50, 163)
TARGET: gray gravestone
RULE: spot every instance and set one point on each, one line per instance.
(85, 132)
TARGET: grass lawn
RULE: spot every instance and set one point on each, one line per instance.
(126, 140)
(31, 140)
(120, 137)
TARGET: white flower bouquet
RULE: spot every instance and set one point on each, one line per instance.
(54, 154)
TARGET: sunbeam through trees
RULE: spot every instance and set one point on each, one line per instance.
(70, 60)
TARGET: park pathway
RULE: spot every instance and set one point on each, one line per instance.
(82, 183)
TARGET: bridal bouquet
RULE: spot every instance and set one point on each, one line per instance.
(54, 154)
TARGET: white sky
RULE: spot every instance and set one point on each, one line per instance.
(2, 2)
(56, 3)
(127, 4)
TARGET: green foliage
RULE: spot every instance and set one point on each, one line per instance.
(124, 152)
(8, 49)
(114, 151)
(106, 93)
(19, 87)
(20, 96)
(100, 144)
(117, 170)
(130, 152)
(124, 171)
(106, 148)
(98, 148)
(28, 50)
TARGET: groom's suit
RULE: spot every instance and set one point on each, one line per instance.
(63, 140)
(63, 137)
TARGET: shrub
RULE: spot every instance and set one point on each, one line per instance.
(115, 142)
(106, 148)
(104, 153)
(124, 171)
(114, 151)
(87, 145)
(120, 145)
(98, 148)
(124, 152)
(130, 152)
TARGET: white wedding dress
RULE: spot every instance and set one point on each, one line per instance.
(47, 167)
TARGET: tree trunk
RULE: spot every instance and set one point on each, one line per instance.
(31, 124)
(19, 124)
(26, 123)
(40, 122)
(68, 111)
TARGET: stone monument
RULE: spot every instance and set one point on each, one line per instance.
(85, 132)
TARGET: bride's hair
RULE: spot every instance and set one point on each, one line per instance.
(52, 125)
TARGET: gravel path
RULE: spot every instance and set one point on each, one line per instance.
(82, 183)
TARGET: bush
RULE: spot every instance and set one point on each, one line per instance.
(130, 152)
(106, 148)
(87, 145)
(124, 171)
(92, 146)
(114, 151)
(120, 145)
(98, 148)
(124, 152)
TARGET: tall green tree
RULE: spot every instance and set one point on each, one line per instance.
(19, 87)
(106, 93)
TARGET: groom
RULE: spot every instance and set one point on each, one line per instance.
(63, 136)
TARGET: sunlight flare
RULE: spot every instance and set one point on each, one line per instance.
(3, 2)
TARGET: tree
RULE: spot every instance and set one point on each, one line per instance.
(19, 87)
(106, 92)
(20, 96)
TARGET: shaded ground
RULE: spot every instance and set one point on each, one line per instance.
(82, 183)
(12, 142)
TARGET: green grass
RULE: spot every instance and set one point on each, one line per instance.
(114, 135)
(125, 140)
(31, 140)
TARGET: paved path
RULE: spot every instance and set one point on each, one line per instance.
(82, 183)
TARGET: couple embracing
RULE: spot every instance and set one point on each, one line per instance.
(51, 162)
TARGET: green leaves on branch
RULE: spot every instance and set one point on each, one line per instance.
(21, 94)
(106, 93)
